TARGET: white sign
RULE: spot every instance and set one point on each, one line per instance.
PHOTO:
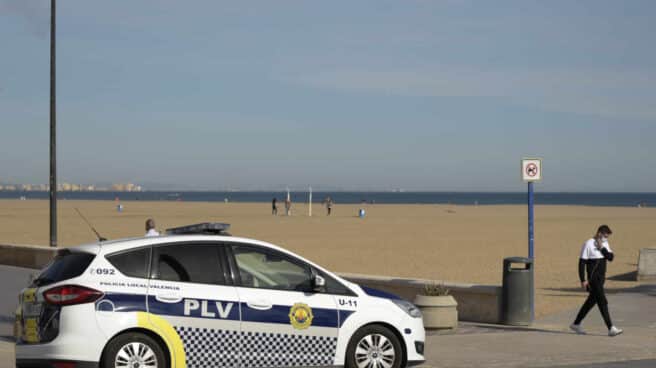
(531, 169)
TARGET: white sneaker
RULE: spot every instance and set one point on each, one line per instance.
(577, 328)
(614, 331)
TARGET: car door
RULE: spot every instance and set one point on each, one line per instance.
(190, 291)
(283, 321)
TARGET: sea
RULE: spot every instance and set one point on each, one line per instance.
(458, 198)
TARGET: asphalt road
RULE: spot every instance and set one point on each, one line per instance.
(649, 363)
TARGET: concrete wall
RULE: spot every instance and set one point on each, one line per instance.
(476, 303)
(28, 256)
(647, 264)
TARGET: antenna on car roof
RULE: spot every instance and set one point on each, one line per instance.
(100, 238)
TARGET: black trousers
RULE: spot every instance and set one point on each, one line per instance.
(597, 296)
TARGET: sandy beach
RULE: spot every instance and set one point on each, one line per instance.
(441, 242)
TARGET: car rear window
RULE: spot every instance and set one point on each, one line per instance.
(133, 263)
(66, 265)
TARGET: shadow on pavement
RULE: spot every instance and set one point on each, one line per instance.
(646, 289)
(629, 276)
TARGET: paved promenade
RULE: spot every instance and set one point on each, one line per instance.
(548, 343)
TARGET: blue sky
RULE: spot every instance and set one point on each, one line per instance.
(424, 95)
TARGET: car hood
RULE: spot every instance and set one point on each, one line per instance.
(379, 293)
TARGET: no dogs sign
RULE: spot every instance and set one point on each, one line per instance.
(531, 169)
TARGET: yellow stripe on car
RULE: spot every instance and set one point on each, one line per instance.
(164, 329)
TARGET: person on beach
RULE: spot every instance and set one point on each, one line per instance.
(274, 206)
(594, 254)
(329, 205)
(288, 206)
(150, 228)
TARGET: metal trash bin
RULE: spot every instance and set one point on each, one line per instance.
(517, 294)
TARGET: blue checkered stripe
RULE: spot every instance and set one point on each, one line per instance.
(221, 348)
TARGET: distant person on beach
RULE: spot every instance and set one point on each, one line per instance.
(150, 228)
(288, 207)
(274, 206)
(594, 254)
(328, 202)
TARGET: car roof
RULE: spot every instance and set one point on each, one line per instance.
(118, 245)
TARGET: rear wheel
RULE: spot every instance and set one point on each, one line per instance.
(374, 347)
(134, 350)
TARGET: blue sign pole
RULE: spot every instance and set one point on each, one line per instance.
(531, 254)
(530, 220)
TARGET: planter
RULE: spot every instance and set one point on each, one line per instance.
(440, 312)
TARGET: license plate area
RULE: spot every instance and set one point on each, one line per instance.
(30, 314)
(32, 310)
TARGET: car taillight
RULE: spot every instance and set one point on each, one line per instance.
(71, 294)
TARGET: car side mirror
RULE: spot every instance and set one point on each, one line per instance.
(318, 284)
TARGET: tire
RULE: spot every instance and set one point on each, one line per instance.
(134, 350)
(374, 346)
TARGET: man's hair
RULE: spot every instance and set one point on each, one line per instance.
(604, 229)
(150, 224)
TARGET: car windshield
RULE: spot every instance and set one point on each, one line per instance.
(270, 270)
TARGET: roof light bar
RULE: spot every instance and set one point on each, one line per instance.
(208, 228)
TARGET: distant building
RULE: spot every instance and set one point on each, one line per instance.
(126, 187)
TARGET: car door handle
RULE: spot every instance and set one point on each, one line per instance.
(168, 298)
(259, 305)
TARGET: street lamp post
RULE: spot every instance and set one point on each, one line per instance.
(53, 132)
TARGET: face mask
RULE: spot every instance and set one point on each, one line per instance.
(603, 239)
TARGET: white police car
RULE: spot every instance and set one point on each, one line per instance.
(202, 298)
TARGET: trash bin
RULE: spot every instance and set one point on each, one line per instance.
(517, 294)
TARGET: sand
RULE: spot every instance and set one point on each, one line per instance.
(441, 242)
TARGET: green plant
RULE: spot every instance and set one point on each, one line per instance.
(435, 289)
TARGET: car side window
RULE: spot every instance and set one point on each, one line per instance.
(133, 263)
(198, 263)
(270, 269)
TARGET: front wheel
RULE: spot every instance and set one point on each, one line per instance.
(134, 350)
(374, 347)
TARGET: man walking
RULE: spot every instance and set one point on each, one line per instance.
(594, 254)
(274, 206)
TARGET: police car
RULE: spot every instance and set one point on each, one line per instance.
(198, 297)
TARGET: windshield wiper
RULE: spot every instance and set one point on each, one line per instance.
(40, 281)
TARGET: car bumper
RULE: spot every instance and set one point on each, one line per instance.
(79, 340)
(414, 337)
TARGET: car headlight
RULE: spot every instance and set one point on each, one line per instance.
(408, 307)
